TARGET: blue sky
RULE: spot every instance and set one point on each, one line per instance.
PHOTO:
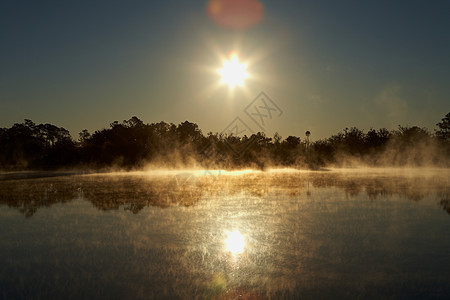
(327, 64)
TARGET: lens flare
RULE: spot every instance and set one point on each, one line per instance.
(235, 14)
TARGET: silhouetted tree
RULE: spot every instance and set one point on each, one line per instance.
(444, 128)
(84, 135)
(132, 143)
(277, 138)
(27, 145)
(292, 141)
(376, 139)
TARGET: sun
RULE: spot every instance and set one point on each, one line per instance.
(233, 72)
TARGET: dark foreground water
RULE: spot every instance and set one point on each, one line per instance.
(336, 234)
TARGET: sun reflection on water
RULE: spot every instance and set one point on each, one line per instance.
(235, 242)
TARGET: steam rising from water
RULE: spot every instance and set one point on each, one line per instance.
(354, 233)
(165, 188)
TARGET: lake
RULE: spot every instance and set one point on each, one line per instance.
(282, 234)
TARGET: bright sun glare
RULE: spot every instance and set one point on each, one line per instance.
(235, 242)
(233, 72)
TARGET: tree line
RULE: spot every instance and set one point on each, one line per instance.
(134, 144)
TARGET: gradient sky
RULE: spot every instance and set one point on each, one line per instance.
(327, 64)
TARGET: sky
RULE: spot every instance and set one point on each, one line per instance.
(325, 65)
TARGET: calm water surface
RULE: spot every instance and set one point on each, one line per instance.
(216, 235)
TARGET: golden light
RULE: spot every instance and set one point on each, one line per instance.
(235, 242)
(233, 72)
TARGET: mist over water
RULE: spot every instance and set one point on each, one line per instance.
(220, 205)
(283, 233)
